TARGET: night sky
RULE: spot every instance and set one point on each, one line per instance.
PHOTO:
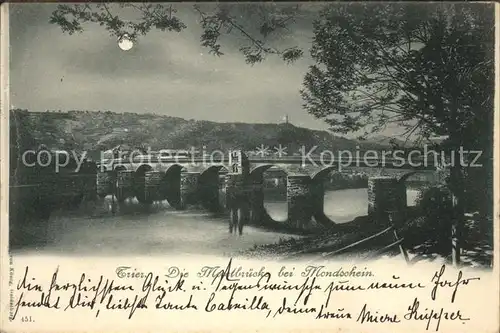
(167, 73)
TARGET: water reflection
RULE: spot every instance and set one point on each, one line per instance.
(340, 206)
(159, 229)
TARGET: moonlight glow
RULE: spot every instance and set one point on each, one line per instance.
(125, 43)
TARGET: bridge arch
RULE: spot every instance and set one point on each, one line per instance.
(407, 175)
(319, 189)
(321, 174)
(124, 186)
(318, 193)
(174, 168)
(140, 181)
(259, 170)
(412, 193)
(170, 188)
(143, 168)
(261, 206)
(209, 188)
(213, 169)
(120, 167)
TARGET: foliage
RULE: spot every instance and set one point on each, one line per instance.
(435, 201)
(255, 23)
(427, 68)
(72, 17)
(432, 221)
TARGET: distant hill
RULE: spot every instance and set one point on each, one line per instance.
(98, 131)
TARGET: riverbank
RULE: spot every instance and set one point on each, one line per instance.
(131, 228)
(334, 237)
(477, 249)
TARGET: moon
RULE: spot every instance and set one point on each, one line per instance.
(125, 43)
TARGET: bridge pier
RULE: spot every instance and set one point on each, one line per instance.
(88, 175)
(299, 198)
(152, 181)
(233, 184)
(243, 215)
(237, 201)
(208, 188)
(105, 181)
(90, 185)
(222, 193)
(258, 213)
(318, 202)
(124, 185)
(70, 189)
(171, 188)
(385, 194)
(189, 189)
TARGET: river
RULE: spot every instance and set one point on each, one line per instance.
(340, 206)
(163, 230)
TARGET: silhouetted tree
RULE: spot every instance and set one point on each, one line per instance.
(428, 69)
(435, 204)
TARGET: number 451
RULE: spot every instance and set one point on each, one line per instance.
(27, 319)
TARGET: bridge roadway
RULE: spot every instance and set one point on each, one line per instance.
(234, 183)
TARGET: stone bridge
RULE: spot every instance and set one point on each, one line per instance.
(235, 183)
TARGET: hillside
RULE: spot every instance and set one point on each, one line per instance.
(98, 131)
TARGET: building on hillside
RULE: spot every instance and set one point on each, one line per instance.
(285, 119)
